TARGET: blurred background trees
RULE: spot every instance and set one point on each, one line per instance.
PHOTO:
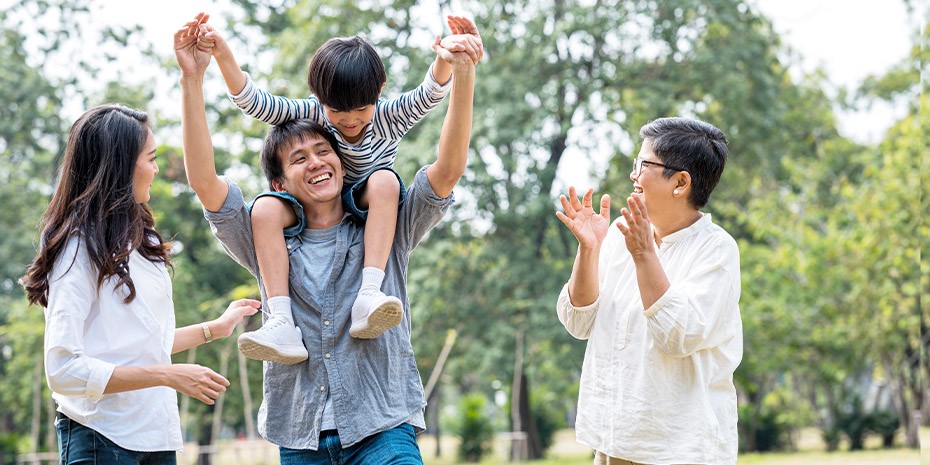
(830, 230)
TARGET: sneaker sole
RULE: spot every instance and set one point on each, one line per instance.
(383, 318)
(255, 351)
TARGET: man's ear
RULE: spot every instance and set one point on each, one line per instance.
(277, 186)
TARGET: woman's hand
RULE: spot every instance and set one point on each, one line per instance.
(589, 227)
(196, 381)
(234, 314)
(638, 229)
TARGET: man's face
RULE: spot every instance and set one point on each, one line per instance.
(312, 171)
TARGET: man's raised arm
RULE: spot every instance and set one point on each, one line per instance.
(456, 128)
(198, 146)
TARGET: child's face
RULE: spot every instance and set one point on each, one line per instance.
(350, 123)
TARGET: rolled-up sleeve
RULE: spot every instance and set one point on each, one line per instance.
(701, 311)
(233, 228)
(421, 211)
(72, 293)
(578, 321)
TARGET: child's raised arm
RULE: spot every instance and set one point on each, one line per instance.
(253, 101)
(211, 39)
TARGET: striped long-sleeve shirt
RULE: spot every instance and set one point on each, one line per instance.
(377, 147)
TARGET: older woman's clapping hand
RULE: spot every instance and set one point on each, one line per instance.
(638, 230)
(589, 227)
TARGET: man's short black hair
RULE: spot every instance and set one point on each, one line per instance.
(695, 146)
(282, 136)
(346, 73)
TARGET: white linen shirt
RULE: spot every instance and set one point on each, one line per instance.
(657, 385)
(90, 331)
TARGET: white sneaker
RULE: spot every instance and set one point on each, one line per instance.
(276, 341)
(373, 314)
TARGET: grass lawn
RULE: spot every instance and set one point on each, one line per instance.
(566, 451)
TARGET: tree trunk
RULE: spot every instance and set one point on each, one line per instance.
(186, 401)
(433, 408)
(247, 410)
(51, 436)
(218, 406)
(206, 439)
(36, 408)
(517, 444)
(898, 385)
(533, 441)
(749, 431)
(529, 447)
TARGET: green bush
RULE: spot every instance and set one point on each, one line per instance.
(853, 422)
(769, 425)
(885, 424)
(10, 445)
(831, 437)
(474, 428)
(548, 420)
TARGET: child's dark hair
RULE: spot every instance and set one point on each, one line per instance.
(346, 73)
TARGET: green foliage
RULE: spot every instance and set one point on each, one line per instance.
(885, 424)
(770, 425)
(474, 428)
(11, 444)
(853, 422)
(830, 231)
(548, 417)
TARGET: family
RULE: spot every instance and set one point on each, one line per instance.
(655, 292)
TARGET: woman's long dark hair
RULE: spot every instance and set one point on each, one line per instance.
(95, 198)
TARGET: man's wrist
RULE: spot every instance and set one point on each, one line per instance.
(191, 80)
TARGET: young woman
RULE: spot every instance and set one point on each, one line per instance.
(101, 274)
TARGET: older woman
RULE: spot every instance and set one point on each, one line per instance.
(656, 296)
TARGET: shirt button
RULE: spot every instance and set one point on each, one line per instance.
(327, 355)
(326, 323)
(322, 388)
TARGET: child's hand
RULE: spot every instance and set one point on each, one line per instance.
(462, 43)
(464, 38)
(209, 39)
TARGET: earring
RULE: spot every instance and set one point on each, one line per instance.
(675, 192)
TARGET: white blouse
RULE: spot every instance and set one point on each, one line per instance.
(657, 383)
(90, 331)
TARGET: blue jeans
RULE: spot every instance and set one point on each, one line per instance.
(78, 445)
(396, 446)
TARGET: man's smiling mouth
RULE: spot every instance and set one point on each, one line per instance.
(320, 178)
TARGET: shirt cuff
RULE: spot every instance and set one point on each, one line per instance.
(425, 191)
(231, 206)
(567, 301)
(659, 304)
(434, 86)
(98, 379)
(245, 94)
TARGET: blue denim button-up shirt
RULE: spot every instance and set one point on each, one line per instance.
(374, 383)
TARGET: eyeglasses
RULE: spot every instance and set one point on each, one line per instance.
(639, 162)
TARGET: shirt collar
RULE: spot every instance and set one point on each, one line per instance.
(702, 223)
